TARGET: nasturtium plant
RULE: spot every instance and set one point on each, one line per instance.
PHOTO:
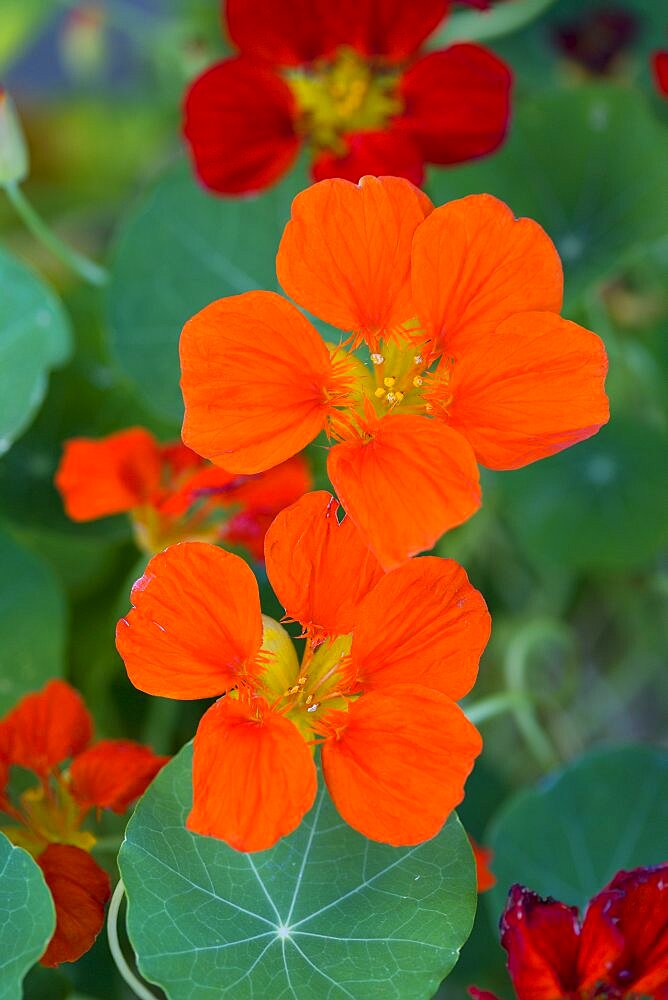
(27, 917)
(564, 166)
(323, 913)
(32, 623)
(209, 248)
(34, 337)
(567, 837)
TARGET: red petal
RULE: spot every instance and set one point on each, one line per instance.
(284, 34)
(404, 486)
(457, 103)
(113, 773)
(196, 626)
(319, 566)
(273, 489)
(398, 762)
(393, 29)
(80, 890)
(374, 153)
(424, 622)
(481, 994)
(541, 937)
(239, 123)
(47, 728)
(108, 476)
(637, 902)
(253, 775)
(483, 856)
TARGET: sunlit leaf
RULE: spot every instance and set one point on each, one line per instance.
(27, 917)
(34, 337)
(325, 913)
(568, 836)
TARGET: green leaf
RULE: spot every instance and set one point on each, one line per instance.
(325, 913)
(564, 166)
(209, 248)
(599, 505)
(32, 623)
(34, 337)
(27, 917)
(568, 836)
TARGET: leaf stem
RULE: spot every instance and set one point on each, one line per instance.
(85, 268)
(126, 972)
(495, 704)
(467, 26)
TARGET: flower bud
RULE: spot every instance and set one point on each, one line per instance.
(13, 148)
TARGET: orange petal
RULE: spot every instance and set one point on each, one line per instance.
(47, 728)
(255, 379)
(271, 490)
(80, 890)
(474, 265)
(345, 254)
(396, 768)
(425, 624)
(196, 625)
(319, 566)
(113, 773)
(406, 484)
(483, 856)
(253, 775)
(533, 388)
(110, 475)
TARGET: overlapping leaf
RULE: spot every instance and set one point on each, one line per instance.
(27, 917)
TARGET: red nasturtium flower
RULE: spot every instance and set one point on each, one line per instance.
(483, 857)
(386, 658)
(660, 71)
(617, 951)
(41, 734)
(348, 79)
(470, 361)
(171, 493)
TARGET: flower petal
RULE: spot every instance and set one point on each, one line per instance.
(253, 775)
(255, 376)
(271, 490)
(533, 388)
(113, 773)
(80, 890)
(404, 487)
(46, 728)
(392, 29)
(196, 625)
(483, 856)
(345, 254)
(475, 265)
(110, 475)
(541, 937)
(456, 103)
(423, 623)
(389, 152)
(319, 567)
(239, 121)
(397, 765)
(288, 33)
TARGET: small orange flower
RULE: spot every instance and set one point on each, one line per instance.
(40, 734)
(386, 657)
(469, 359)
(171, 493)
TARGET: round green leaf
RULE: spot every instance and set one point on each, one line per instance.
(32, 623)
(600, 505)
(567, 837)
(27, 917)
(325, 913)
(209, 247)
(34, 337)
(564, 166)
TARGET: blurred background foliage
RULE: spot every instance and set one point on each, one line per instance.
(570, 553)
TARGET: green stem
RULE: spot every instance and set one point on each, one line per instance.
(495, 704)
(162, 717)
(126, 972)
(85, 268)
(466, 26)
(110, 844)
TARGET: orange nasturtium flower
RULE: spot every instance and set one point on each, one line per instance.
(42, 733)
(171, 493)
(469, 359)
(386, 658)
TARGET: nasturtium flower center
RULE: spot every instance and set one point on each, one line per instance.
(343, 94)
(50, 815)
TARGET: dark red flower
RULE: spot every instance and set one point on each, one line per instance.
(348, 79)
(596, 39)
(617, 951)
(660, 71)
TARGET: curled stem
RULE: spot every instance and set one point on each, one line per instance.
(85, 268)
(124, 969)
